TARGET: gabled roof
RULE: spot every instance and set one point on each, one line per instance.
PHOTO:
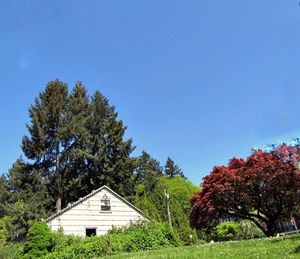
(90, 195)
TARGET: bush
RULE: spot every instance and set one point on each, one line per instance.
(142, 236)
(136, 237)
(11, 251)
(248, 230)
(39, 240)
(227, 231)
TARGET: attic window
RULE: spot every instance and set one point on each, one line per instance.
(105, 203)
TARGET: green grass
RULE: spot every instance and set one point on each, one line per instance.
(281, 247)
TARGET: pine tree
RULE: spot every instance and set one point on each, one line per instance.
(76, 144)
(108, 154)
(4, 194)
(146, 166)
(28, 199)
(172, 170)
(44, 146)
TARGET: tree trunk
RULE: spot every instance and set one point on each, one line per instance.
(58, 204)
(271, 229)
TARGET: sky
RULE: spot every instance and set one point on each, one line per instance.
(198, 81)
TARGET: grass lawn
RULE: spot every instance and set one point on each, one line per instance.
(281, 247)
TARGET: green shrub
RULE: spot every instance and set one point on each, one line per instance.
(142, 236)
(136, 237)
(11, 251)
(61, 241)
(39, 240)
(227, 231)
(248, 230)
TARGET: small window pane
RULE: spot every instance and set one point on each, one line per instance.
(105, 205)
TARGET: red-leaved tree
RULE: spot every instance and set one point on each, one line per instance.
(263, 189)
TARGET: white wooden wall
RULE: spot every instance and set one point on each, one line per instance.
(88, 214)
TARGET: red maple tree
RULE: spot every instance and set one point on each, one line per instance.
(264, 188)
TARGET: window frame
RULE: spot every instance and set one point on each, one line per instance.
(103, 200)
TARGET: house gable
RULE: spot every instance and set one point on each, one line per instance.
(86, 214)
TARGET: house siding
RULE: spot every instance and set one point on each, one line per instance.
(88, 214)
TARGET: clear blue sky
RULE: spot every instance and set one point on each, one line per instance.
(199, 81)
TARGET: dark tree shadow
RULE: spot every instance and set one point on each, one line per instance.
(297, 250)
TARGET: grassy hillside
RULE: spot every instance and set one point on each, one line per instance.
(282, 247)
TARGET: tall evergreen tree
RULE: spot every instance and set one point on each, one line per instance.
(172, 170)
(76, 143)
(44, 145)
(4, 195)
(108, 154)
(146, 166)
(28, 199)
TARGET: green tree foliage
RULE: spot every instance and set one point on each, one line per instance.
(45, 144)
(39, 241)
(76, 143)
(150, 195)
(3, 232)
(182, 189)
(108, 160)
(4, 195)
(28, 198)
(172, 170)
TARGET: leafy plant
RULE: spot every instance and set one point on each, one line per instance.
(39, 240)
(227, 231)
(140, 236)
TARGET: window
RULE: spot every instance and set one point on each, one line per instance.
(105, 204)
(90, 232)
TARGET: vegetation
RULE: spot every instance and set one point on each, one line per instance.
(75, 144)
(263, 189)
(150, 197)
(39, 241)
(134, 241)
(42, 243)
(227, 231)
(11, 251)
(3, 232)
(267, 248)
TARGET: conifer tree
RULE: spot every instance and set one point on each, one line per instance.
(28, 199)
(4, 194)
(76, 144)
(146, 166)
(44, 145)
(108, 154)
(172, 170)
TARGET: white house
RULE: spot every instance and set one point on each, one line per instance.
(95, 214)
